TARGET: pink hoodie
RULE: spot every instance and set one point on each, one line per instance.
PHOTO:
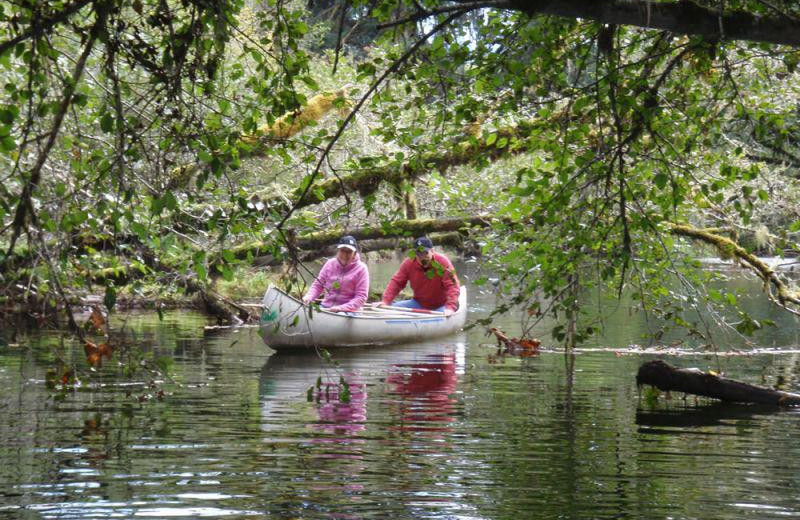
(344, 286)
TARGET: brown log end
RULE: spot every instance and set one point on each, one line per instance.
(655, 373)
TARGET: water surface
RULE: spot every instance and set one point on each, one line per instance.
(444, 429)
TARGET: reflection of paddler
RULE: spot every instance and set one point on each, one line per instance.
(428, 385)
(286, 378)
(338, 415)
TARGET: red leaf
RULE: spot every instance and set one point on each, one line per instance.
(104, 349)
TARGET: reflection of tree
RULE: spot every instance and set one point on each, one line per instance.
(424, 392)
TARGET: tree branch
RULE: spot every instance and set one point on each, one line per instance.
(39, 27)
(388, 72)
(25, 205)
(683, 17)
(770, 278)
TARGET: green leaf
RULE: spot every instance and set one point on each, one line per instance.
(227, 273)
(140, 230)
(8, 144)
(169, 201)
(9, 114)
(110, 298)
(164, 363)
(107, 123)
(310, 82)
(201, 272)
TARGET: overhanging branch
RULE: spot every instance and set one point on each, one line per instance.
(776, 288)
(684, 17)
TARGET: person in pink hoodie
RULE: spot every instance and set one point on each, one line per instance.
(344, 280)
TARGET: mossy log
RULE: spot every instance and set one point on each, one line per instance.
(313, 245)
(284, 127)
(668, 378)
(473, 148)
(397, 229)
(367, 179)
(226, 311)
(454, 239)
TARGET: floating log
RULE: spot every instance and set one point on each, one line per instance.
(693, 381)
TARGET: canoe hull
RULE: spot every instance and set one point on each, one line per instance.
(288, 324)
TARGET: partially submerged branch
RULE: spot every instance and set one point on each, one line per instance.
(693, 381)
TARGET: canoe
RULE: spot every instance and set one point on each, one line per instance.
(287, 324)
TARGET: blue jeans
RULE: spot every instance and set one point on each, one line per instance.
(413, 304)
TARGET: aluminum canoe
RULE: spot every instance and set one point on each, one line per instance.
(287, 324)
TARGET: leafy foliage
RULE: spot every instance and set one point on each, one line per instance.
(157, 140)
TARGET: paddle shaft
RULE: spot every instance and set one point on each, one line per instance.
(390, 315)
(408, 309)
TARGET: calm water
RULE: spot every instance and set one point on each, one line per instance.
(437, 430)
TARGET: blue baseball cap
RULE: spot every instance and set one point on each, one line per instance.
(348, 242)
(423, 243)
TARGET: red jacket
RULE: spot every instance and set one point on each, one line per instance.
(433, 287)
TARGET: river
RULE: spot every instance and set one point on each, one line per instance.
(440, 430)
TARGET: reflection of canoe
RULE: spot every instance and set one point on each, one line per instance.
(286, 323)
(419, 378)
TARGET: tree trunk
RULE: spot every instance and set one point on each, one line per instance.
(692, 381)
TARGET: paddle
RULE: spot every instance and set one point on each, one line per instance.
(387, 314)
(408, 309)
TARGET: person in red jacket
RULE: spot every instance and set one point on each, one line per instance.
(432, 277)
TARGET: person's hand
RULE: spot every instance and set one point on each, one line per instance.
(448, 311)
(335, 308)
(305, 300)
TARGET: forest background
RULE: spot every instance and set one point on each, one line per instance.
(154, 148)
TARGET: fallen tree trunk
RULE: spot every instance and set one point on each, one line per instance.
(313, 245)
(397, 229)
(668, 378)
(453, 239)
